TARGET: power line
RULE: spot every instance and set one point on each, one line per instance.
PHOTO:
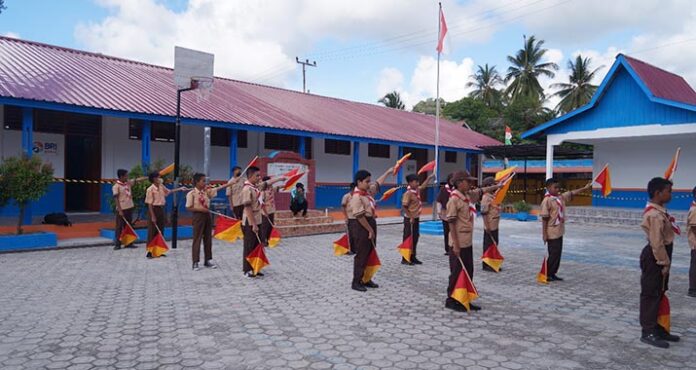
(305, 64)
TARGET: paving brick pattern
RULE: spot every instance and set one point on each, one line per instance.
(99, 308)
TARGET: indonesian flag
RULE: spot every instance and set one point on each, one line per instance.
(504, 174)
(388, 194)
(228, 229)
(294, 179)
(508, 135)
(274, 239)
(257, 259)
(167, 170)
(443, 31)
(492, 257)
(502, 192)
(663, 314)
(341, 246)
(673, 165)
(430, 166)
(542, 276)
(400, 163)
(128, 235)
(373, 264)
(464, 290)
(604, 180)
(157, 246)
(406, 248)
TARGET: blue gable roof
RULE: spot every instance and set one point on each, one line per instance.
(622, 99)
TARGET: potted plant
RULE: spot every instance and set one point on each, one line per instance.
(522, 209)
(23, 180)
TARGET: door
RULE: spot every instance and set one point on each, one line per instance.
(82, 162)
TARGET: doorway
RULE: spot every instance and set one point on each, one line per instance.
(82, 162)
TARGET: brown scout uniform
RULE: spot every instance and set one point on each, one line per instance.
(491, 216)
(156, 196)
(236, 192)
(269, 210)
(122, 192)
(553, 208)
(411, 201)
(691, 235)
(361, 205)
(461, 213)
(345, 202)
(250, 197)
(198, 201)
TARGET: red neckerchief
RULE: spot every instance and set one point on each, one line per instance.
(472, 208)
(125, 186)
(560, 218)
(364, 193)
(417, 193)
(256, 191)
(202, 196)
(672, 220)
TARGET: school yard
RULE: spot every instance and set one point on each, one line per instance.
(99, 308)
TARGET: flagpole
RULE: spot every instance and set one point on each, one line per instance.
(437, 114)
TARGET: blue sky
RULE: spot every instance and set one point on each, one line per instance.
(258, 40)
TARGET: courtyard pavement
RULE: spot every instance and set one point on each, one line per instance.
(99, 308)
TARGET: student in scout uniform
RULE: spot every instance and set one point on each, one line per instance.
(442, 199)
(363, 228)
(461, 214)
(691, 235)
(234, 193)
(491, 219)
(156, 198)
(268, 192)
(374, 189)
(655, 261)
(198, 203)
(412, 206)
(553, 222)
(124, 204)
(348, 215)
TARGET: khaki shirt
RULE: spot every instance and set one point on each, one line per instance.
(236, 192)
(461, 212)
(250, 198)
(345, 202)
(122, 192)
(691, 226)
(199, 200)
(490, 212)
(156, 195)
(269, 192)
(360, 205)
(412, 204)
(658, 231)
(555, 213)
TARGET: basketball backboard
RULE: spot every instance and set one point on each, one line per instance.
(190, 66)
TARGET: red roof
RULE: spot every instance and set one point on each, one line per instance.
(663, 84)
(30, 70)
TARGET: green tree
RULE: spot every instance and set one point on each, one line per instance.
(2, 6)
(22, 180)
(579, 89)
(392, 100)
(525, 113)
(475, 113)
(427, 106)
(526, 69)
(485, 82)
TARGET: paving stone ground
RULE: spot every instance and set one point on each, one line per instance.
(99, 308)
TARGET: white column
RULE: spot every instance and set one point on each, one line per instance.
(549, 159)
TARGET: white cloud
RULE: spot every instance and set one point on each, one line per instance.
(11, 34)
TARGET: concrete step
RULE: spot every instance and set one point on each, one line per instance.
(312, 229)
(310, 213)
(303, 221)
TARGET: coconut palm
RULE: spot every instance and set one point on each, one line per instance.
(485, 81)
(579, 89)
(526, 68)
(392, 100)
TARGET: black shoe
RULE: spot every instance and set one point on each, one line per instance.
(446, 253)
(692, 294)
(249, 274)
(131, 246)
(555, 278)
(118, 247)
(404, 262)
(149, 255)
(260, 274)
(474, 307)
(654, 340)
(454, 305)
(359, 287)
(210, 265)
(416, 261)
(371, 284)
(350, 253)
(669, 337)
(195, 266)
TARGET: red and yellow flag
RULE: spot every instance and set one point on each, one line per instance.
(292, 172)
(128, 235)
(157, 246)
(430, 166)
(257, 259)
(504, 174)
(373, 264)
(542, 276)
(464, 290)
(400, 163)
(294, 179)
(341, 246)
(604, 180)
(406, 248)
(673, 165)
(502, 192)
(663, 314)
(388, 194)
(228, 229)
(492, 257)
(167, 170)
(274, 238)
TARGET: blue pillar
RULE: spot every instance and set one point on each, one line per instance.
(302, 147)
(27, 149)
(234, 142)
(145, 138)
(468, 163)
(356, 158)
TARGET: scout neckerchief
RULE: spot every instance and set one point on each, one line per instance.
(560, 218)
(472, 208)
(671, 218)
(202, 196)
(259, 197)
(126, 187)
(417, 193)
(364, 193)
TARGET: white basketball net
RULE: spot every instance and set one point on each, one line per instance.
(202, 86)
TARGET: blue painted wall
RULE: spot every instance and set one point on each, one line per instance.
(638, 198)
(329, 196)
(52, 201)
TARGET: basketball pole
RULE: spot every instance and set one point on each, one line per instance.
(177, 180)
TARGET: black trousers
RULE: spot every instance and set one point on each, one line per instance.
(297, 207)
(120, 224)
(415, 228)
(202, 231)
(692, 272)
(555, 247)
(488, 238)
(651, 291)
(238, 212)
(266, 227)
(363, 247)
(467, 256)
(251, 240)
(160, 222)
(446, 229)
(349, 232)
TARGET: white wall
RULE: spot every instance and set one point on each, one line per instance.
(118, 151)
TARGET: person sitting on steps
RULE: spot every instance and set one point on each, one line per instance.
(298, 202)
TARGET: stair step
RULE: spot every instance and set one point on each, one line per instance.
(312, 229)
(303, 221)
(310, 213)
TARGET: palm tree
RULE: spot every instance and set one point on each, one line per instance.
(485, 81)
(526, 68)
(392, 100)
(579, 89)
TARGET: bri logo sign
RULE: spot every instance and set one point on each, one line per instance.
(45, 147)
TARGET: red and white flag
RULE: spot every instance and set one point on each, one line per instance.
(443, 31)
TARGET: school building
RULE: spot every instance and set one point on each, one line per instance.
(89, 114)
(636, 120)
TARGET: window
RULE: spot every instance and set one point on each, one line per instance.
(450, 157)
(336, 147)
(288, 143)
(159, 131)
(378, 150)
(12, 118)
(54, 122)
(221, 137)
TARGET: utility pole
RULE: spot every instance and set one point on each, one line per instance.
(304, 65)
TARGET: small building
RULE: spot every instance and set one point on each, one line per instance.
(89, 114)
(636, 120)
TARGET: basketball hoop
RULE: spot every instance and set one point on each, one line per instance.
(202, 86)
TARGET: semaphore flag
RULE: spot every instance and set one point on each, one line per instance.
(542, 276)
(400, 163)
(373, 264)
(388, 194)
(464, 290)
(257, 259)
(430, 166)
(669, 174)
(492, 257)
(663, 314)
(157, 246)
(604, 180)
(274, 238)
(227, 229)
(406, 248)
(341, 246)
(128, 235)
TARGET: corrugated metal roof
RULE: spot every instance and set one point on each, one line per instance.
(30, 70)
(663, 84)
